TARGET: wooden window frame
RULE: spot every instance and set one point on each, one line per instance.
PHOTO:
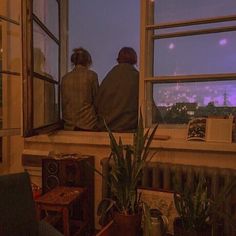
(28, 18)
(10, 131)
(148, 37)
(6, 133)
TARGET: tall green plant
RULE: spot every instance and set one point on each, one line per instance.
(127, 163)
(193, 205)
(196, 208)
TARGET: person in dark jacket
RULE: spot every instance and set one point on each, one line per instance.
(117, 98)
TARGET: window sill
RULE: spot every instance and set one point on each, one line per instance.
(101, 139)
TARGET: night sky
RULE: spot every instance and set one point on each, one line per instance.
(104, 26)
(201, 54)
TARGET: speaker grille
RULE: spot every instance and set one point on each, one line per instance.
(52, 167)
(71, 171)
(52, 181)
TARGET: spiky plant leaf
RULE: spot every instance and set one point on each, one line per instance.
(128, 162)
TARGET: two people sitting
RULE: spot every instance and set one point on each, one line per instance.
(85, 105)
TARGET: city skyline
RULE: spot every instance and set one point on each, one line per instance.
(201, 93)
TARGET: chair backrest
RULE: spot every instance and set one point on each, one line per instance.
(17, 209)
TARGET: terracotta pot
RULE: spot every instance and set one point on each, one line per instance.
(127, 224)
(180, 231)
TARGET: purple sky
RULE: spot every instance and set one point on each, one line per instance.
(104, 26)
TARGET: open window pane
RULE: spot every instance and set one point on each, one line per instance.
(201, 54)
(10, 50)
(179, 102)
(47, 12)
(46, 54)
(45, 100)
(11, 9)
(42, 64)
(183, 10)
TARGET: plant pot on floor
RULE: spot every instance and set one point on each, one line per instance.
(179, 230)
(127, 224)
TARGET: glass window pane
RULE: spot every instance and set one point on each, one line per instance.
(179, 102)
(201, 54)
(48, 12)
(46, 54)
(45, 97)
(11, 9)
(182, 10)
(10, 47)
(10, 108)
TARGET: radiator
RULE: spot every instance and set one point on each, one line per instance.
(160, 176)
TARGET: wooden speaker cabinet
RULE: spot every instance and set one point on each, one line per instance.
(71, 170)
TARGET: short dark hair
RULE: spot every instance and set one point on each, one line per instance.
(81, 56)
(127, 55)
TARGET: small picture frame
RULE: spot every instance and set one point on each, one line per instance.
(162, 200)
(197, 129)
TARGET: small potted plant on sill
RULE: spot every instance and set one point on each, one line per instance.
(197, 210)
(127, 163)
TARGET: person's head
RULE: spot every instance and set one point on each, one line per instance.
(80, 56)
(127, 55)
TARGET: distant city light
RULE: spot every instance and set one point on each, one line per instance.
(171, 46)
(177, 86)
(223, 42)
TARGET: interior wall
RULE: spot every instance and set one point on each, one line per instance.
(206, 158)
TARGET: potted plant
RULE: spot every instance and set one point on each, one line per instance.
(197, 210)
(127, 163)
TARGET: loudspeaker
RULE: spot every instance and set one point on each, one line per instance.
(70, 170)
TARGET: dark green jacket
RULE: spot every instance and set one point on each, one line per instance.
(78, 89)
(117, 98)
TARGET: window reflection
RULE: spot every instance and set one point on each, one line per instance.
(45, 97)
(46, 53)
(11, 9)
(47, 12)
